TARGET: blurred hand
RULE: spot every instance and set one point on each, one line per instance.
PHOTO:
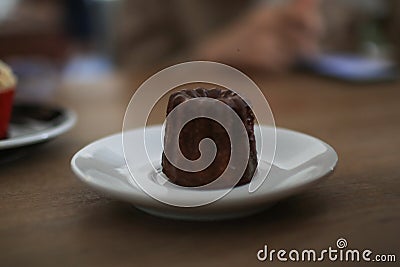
(269, 38)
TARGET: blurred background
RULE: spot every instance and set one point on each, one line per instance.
(48, 42)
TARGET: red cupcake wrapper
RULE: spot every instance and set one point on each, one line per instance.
(6, 102)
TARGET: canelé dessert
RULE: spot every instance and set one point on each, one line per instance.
(200, 128)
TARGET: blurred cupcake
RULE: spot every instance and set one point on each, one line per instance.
(7, 88)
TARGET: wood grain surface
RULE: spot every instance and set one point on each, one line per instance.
(49, 218)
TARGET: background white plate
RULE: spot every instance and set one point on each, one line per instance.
(34, 123)
(300, 161)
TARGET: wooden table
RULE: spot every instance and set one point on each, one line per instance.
(49, 218)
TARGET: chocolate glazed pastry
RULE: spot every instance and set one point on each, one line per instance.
(197, 129)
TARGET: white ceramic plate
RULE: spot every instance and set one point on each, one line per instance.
(33, 124)
(300, 161)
